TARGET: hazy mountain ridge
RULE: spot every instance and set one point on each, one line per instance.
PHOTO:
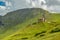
(31, 30)
(19, 16)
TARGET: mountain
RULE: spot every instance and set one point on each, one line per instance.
(25, 24)
(18, 17)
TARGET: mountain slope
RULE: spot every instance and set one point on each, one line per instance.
(19, 17)
(37, 31)
(25, 24)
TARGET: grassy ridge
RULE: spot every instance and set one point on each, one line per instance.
(18, 17)
(24, 25)
(38, 31)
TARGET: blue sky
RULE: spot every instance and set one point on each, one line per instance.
(51, 5)
(2, 3)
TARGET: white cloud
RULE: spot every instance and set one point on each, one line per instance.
(8, 3)
(58, 0)
(36, 3)
(51, 8)
(47, 4)
(2, 7)
(54, 8)
(5, 9)
(28, 1)
(33, 4)
(42, 1)
(44, 7)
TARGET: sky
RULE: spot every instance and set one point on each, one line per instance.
(12, 5)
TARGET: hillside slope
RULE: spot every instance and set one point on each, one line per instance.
(10, 21)
(19, 16)
(24, 24)
(37, 31)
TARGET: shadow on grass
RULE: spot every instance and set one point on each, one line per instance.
(55, 30)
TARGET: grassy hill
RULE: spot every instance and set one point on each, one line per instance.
(18, 17)
(38, 31)
(24, 24)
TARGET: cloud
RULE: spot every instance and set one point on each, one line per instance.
(54, 8)
(2, 7)
(51, 5)
(5, 9)
(52, 2)
(37, 3)
(28, 1)
(58, 0)
(8, 5)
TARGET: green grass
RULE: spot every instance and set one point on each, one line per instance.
(18, 27)
(24, 25)
(30, 31)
